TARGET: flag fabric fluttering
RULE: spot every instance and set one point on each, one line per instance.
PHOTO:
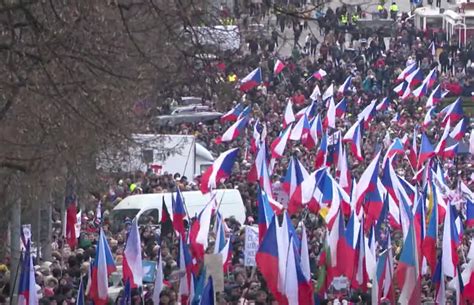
(81, 298)
(27, 294)
(166, 224)
(219, 170)
(132, 257)
(71, 221)
(289, 116)
(319, 74)
(179, 213)
(102, 266)
(234, 131)
(159, 280)
(232, 114)
(279, 66)
(252, 80)
(408, 272)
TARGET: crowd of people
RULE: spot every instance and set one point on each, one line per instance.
(374, 64)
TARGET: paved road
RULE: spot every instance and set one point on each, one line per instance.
(286, 43)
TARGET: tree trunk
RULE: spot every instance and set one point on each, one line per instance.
(15, 231)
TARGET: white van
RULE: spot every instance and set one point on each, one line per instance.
(229, 201)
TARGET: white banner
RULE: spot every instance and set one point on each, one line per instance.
(251, 245)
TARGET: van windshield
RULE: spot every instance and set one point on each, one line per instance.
(118, 217)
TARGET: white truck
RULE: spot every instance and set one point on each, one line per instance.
(161, 153)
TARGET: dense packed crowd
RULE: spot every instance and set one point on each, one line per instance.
(340, 52)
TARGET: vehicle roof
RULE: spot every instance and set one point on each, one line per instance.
(194, 201)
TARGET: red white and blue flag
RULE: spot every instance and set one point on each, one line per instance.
(289, 116)
(233, 114)
(102, 266)
(436, 96)
(252, 80)
(279, 144)
(408, 272)
(452, 112)
(132, 257)
(179, 213)
(459, 130)
(279, 66)
(234, 131)
(220, 170)
(27, 294)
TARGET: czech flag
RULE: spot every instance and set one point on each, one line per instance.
(439, 150)
(382, 281)
(395, 149)
(407, 273)
(233, 114)
(354, 137)
(265, 214)
(428, 117)
(329, 92)
(27, 294)
(295, 174)
(185, 265)
(246, 112)
(318, 126)
(439, 282)
(469, 214)
(367, 181)
(343, 172)
(199, 232)
(383, 104)
(453, 112)
(279, 144)
(305, 192)
(348, 246)
(309, 110)
(450, 152)
(179, 213)
(459, 130)
(345, 86)
(222, 246)
(407, 71)
(219, 170)
(431, 78)
(279, 66)
(289, 116)
(436, 96)
(426, 150)
(367, 114)
(321, 155)
(132, 258)
(414, 78)
(234, 131)
(102, 266)
(422, 90)
(330, 120)
(450, 242)
(335, 240)
(320, 74)
(256, 136)
(255, 172)
(402, 89)
(341, 108)
(252, 80)
(268, 262)
(300, 131)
